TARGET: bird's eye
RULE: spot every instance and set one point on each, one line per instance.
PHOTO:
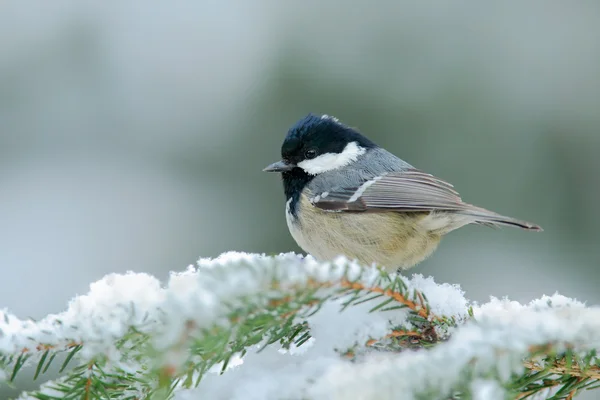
(310, 153)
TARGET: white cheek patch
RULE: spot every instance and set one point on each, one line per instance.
(330, 161)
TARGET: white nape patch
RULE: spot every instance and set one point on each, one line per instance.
(334, 119)
(362, 189)
(330, 161)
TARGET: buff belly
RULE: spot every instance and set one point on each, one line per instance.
(390, 239)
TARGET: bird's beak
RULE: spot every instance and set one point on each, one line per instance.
(279, 166)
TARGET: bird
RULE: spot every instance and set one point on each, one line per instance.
(347, 196)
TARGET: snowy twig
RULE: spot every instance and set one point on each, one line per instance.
(280, 318)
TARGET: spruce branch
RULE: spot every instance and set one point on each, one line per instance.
(131, 338)
(560, 368)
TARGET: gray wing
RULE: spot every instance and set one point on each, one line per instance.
(409, 190)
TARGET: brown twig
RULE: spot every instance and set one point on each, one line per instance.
(416, 337)
(88, 383)
(46, 347)
(560, 368)
(420, 309)
(572, 394)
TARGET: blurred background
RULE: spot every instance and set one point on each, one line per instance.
(133, 135)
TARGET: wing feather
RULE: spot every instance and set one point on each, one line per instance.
(410, 190)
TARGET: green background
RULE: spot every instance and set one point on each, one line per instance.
(133, 137)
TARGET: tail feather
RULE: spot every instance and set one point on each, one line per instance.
(490, 218)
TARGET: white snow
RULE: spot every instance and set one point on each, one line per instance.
(112, 305)
(443, 299)
(494, 342)
(487, 389)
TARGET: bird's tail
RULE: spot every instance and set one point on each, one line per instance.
(490, 218)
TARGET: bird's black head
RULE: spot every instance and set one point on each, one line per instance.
(317, 144)
(320, 143)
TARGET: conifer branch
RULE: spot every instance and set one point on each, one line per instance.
(139, 340)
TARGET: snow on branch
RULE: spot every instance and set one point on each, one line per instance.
(258, 327)
(494, 346)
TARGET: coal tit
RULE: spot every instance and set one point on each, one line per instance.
(348, 196)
